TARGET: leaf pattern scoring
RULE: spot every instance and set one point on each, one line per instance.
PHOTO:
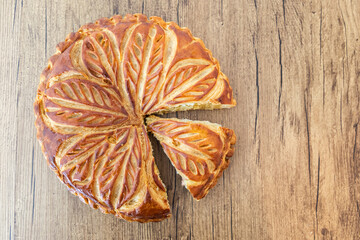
(198, 150)
(93, 97)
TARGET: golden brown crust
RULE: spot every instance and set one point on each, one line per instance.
(199, 150)
(92, 98)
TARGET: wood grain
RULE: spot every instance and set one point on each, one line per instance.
(295, 71)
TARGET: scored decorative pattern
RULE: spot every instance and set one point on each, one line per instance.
(198, 150)
(92, 98)
(82, 103)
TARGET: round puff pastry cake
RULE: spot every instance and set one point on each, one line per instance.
(90, 108)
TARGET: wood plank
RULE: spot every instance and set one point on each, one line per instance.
(9, 75)
(295, 71)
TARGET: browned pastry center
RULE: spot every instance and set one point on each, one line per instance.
(90, 108)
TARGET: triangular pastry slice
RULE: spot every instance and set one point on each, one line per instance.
(199, 150)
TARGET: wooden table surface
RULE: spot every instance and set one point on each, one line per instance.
(294, 66)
